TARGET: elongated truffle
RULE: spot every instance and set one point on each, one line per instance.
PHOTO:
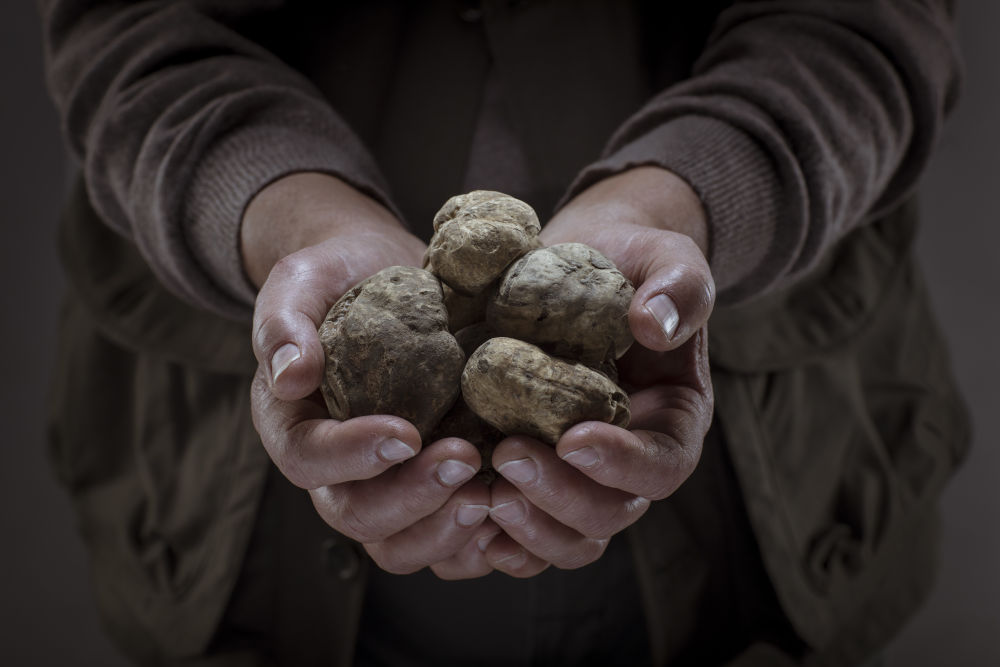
(519, 389)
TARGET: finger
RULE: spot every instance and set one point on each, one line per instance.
(675, 291)
(291, 305)
(511, 558)
(647, 463)
(686, 366)
(372, 510)
(670, 418)
(312, 450)
(437, 536)
(562, 492)
(540, 534)
(470, 561)
(680, 402)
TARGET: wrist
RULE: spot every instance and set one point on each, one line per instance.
(647, 196)
(302, 210)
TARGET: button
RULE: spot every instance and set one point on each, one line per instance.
(341, 559)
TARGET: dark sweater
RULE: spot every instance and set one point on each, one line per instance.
(794, 121)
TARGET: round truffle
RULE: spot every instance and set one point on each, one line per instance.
(388, 350)
(477, 236)
(569, 299)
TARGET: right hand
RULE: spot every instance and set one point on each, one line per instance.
(306, 239)
(562, 505)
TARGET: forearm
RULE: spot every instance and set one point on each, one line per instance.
(801, 119)
(179, 121)
(306, 209)
(646, 196)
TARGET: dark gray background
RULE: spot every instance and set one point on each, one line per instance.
(46, 612)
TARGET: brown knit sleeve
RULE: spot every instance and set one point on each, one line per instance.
(178, 121)
(802, 119)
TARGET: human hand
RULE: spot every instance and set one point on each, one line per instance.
(561, 506)
(306, 239)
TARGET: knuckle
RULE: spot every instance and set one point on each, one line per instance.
(259, 390)
(703, 293)
(260, 399)
(660, 490)
(695, 281)
(423, 497)
(657, 488)
(392, 561)
(557, 501)
(682, 462)
(601, 526)
(305, 269)
(625, 514)
(403, 569)
(666, 463)
(691, 248)
(358, 526)
(586, 553)
(289, 455)
(295, 470)
(290, 267)
(450, 572)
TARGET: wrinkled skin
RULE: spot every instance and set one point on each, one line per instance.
(420, 505)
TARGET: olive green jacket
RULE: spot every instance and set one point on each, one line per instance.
(835, 398)
(833, 391)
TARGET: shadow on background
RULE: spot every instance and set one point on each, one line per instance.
(958, 245)
(47, 615)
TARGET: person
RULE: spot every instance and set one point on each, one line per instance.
(748, 165)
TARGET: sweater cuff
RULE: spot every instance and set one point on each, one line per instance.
(238, 167)
(737, 183)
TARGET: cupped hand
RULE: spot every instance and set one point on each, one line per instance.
(306, 239)
(561, 506)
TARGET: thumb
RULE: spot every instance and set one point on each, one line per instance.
(291, 305)
(675, 292)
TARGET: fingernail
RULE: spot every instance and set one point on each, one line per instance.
(521, 471)
(514, 560)
(283, 358)
(585, 457)
(453, 473)
(483, 543)
(471, 515)
(510, 512)
(393, 450)
(664, 310)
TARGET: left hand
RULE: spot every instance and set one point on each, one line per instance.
(561, 506)
(306, 239)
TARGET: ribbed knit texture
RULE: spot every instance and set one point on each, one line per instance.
(179, 121)
(235, 170)
(733, 177)
(800, 118)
